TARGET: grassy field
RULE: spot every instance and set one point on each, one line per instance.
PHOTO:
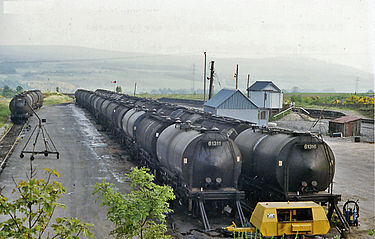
(50, 99)
(335, 101)
(4, 111)
(177, 96)
(56, 98)
(307, 100)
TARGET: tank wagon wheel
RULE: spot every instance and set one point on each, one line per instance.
(22, 155)
(32, 157)
(45, 154)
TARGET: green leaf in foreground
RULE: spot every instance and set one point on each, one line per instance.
(29, 216)
(142, 211)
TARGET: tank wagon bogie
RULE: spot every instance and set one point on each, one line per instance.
(23, 104)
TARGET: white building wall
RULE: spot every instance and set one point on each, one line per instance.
(250, 115)
(257, 97)
(274, 100)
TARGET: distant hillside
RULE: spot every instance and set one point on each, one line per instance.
(47, 67)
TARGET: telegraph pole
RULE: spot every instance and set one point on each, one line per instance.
(211, 80)
(204, 78)
(135, 87)
(248, 85)
(236, 76)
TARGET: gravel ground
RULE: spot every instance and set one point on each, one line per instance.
(354, 172)
(295, 122)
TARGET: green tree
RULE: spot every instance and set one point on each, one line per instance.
(57, 89)
(30, 215)
(7, 92)
(19, 89)
(142, 211)
(118, 89)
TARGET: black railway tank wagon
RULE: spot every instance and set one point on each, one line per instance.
(277, 164)
(289, 164)
(20, 105)
(201, 165)
(286, 163)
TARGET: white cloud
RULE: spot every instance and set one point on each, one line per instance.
(339, 31)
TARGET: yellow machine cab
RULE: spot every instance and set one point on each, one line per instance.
(286, 218)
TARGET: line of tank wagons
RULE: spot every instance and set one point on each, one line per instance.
(20, 105)
(214, 161)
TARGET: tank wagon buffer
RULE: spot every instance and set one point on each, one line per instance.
(22, 105)
(201, 165)
(277, 219)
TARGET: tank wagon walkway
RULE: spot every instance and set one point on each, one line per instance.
(85, 159)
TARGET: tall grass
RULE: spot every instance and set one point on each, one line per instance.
(4, 111)
(56, 98)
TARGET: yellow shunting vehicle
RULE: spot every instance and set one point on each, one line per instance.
(286, 218)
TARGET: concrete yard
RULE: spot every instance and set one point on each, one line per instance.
(85, 159)
(88, 156)
(354, 179)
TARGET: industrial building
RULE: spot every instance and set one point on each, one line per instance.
(266, 94)
(234, 104)
(347, 125)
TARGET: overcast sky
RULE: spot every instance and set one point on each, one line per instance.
(337, 31)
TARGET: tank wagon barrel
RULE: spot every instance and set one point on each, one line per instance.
(20, 105)
(202, 165)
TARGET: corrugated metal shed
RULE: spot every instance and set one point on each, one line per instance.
(230, 99)
(347, 125)
(346, 119)
(234, 104)
(264, 86)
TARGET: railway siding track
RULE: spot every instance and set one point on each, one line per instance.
(8, 143)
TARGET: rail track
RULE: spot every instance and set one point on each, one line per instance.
(8, 143)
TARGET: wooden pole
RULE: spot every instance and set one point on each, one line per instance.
(248, 85)
(237, 77)
(204, 77)
(210, 92)
(135, 87)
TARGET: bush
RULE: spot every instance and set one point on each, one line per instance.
(30, 214)
(142, 211)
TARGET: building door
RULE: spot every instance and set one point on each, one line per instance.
(348, 130)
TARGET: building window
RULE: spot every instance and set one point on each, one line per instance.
(262, 115)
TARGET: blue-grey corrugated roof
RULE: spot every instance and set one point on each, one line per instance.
(225, 94)
(260, 85)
